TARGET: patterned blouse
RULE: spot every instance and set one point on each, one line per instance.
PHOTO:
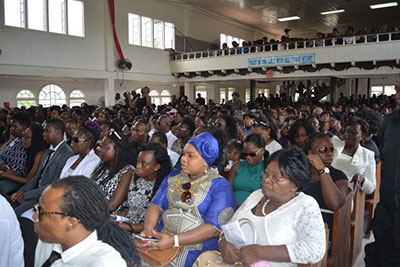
(14, 156)
(138, 199)
(109, 187)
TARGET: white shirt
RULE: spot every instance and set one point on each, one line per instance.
(173, 156)
(11, 245)
(273, 147)
(85, 167)
(90, 252)
(171, 138)
(297, 224)
(362, 162)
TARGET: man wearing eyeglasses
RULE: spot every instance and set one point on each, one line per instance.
(51, 165)
(73, 225)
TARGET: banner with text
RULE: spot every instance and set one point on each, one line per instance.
(302, 59)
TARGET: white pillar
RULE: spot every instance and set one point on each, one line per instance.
(189, 91)
(109, 91)
(212, 93)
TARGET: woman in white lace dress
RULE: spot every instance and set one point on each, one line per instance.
(152, 166)
(288, 223)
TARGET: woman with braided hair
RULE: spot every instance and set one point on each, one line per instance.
(74, 227)
(116, 170)
(152, 166)
(83, 142)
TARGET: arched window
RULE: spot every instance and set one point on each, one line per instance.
(52, 95)
(165, 97)
(25, 98)
(76, 98)
(155, 98)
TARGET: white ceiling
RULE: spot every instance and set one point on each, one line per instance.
(263, 14)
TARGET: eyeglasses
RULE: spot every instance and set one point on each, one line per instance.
(274, 178)
(252, 155)
(41, 212)
(112, 131)
(75, 139)
(186, 196)
(324, 149)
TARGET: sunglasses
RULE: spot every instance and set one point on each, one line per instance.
(75, 139)
(252, 155)
(114, 132)
(41, 212)
(324, 149)
(186, 196)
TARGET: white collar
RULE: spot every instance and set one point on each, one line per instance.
(77, 249)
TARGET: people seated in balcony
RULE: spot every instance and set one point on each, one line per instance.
(383, 29)
(235, 46)
(349, 33)
(336, 34)
(245, 47)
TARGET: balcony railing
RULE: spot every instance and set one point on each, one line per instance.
(301, 44)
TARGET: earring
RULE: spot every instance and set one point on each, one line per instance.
(205, 171)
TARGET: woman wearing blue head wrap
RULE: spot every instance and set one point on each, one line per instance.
(192, 204)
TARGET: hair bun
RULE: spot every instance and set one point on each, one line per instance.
(93, 125)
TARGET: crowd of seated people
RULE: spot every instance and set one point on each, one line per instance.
(181, 171)
(288, 42)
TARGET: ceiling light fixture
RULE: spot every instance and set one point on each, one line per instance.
(383, 5)
(289, 18)
(333, 12)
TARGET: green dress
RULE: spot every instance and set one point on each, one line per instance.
(247, 180)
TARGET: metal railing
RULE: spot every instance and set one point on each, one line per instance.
(295, 45)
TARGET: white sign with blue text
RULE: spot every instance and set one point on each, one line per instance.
(302, 59)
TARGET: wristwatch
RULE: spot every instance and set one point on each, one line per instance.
(323, 170)
(176, 241)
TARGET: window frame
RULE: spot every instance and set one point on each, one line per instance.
(142, 39)
(21, 99)
(78, 99)
(46, 28)
(52, 103)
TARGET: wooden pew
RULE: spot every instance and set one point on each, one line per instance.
(341, 229)
(324, 261)
(370, 204)
(357, 225)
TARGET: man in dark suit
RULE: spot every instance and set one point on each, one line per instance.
(51, 164)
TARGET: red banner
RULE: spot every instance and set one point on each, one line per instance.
(116, 41)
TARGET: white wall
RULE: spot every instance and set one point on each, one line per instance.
(31, 59)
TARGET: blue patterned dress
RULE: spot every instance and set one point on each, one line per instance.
(212, 203)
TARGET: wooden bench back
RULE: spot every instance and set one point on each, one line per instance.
(370, 204)
(341, 230)
(357, 225)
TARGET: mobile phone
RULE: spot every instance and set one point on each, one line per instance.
(154, 239)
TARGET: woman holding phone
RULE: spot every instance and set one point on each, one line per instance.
(191, 204)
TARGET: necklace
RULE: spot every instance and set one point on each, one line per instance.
(263, 207)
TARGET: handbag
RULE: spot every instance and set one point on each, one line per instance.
(214, 258)
(159, 258)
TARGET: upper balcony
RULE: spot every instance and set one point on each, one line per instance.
(359, 55)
